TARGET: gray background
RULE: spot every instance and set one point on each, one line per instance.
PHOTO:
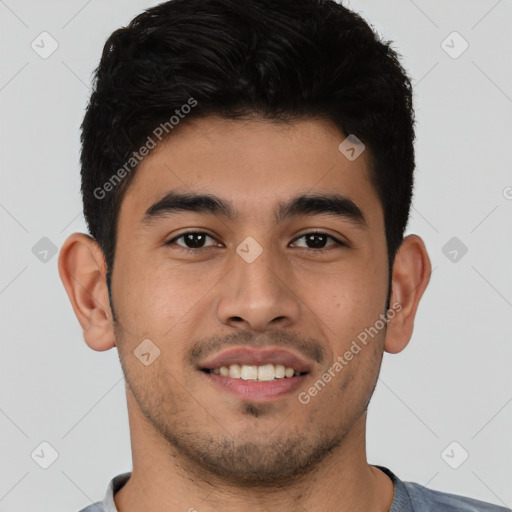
(452, 383)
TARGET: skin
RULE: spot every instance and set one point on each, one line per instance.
(195, 445)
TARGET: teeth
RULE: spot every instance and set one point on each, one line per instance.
(265, 372)
(280, 371)
(289, 372)
(234, 371)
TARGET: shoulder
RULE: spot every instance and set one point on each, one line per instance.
(95, 507)
(426, 500)
(108, 504)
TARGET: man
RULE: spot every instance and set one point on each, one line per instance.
(247, 171)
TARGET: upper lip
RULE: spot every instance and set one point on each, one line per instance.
(257, 357)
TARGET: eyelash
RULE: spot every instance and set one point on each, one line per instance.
(338, 243)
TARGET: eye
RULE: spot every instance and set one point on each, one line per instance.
(192, 240)
(317, 240)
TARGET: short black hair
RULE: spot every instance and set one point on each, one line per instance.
(283, 60)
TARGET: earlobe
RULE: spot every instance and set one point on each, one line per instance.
(411, 275)
(82, 272)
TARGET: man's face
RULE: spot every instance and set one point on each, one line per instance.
(195, 304)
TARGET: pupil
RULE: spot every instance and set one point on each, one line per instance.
(195, 243)
(317, 240)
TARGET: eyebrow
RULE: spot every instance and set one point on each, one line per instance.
(334, 204)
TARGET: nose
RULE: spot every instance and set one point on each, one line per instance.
(259, 295)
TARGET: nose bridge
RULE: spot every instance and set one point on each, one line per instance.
(259, 275)
(256, 290)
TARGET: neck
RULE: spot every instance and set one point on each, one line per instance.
(164, 480)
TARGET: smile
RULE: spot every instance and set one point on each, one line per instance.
(266, 372)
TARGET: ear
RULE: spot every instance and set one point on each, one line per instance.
(411, 275)
(82, 270)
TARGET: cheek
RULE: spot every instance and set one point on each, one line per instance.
(348, 300)
(153, 296)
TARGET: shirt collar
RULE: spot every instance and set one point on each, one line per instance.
(115, 485)
(401, 501)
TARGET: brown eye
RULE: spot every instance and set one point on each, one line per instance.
(317, 241)
(192, 240)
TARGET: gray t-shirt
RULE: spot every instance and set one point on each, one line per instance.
(408, 497)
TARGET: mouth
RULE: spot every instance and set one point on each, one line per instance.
(263, 373)
(256, 390)
(256, 375)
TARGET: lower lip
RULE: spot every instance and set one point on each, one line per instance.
(262, 391)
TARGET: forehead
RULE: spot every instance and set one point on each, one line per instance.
(252, 164)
